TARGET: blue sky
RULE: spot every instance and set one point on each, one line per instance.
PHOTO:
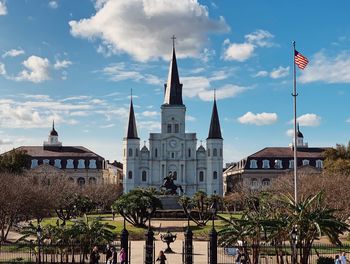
(76, 61)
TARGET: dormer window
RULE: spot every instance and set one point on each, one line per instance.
(92, 164)
(266, 164)
(306, 162)
(70, 164)
(253, 164)
(319, 164)
(291, 164)
(81, 164)
(58, 163)
(278, 164)
(34, 163)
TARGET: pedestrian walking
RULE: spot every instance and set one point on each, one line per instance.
(114, 259)
(94, 256)
(337, 260)
(122, 256)
(108, 253)
(343, 258)
(161, 257)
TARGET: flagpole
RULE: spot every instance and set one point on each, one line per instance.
(295, 126)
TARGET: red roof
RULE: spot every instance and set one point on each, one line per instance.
(66, 151)
(286, 152)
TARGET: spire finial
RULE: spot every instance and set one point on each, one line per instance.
(214, 94)
(144, 143)
(53, 124)
(131, 94)
(173, 38)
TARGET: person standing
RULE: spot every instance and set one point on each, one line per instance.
(114, 259)
(94, 256)
(161, 257)
(108, 253)
(343, 258)
(337, 260)
(122, 256)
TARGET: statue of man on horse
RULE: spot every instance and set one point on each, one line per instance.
(170, 186)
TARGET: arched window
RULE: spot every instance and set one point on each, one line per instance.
(136, 152)
(169, 128)
(266, 164)
(254, 183)
(319, 164)
(130, 175)
(189, 153)
(253, 164)
(34, 163)
(81, 181)
(215, 175)
(201, 176)
(130, 152)
(156, 153)
(176, 128)
(81, 164)
(172, 155)
(92, 180)
(144, 176)
(215, 152)
(265, 182)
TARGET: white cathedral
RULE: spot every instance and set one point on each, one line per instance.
(173, 150)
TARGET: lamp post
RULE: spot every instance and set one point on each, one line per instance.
(39, 235)
(124, 238)
(149, 238)
(188, 239)
(213, 237)
(294, 236)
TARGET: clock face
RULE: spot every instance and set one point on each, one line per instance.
(173, 143)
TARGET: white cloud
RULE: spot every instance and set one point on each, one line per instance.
(37, 70)
(243, 51)
(2, 69)
(13, 53)
(119, 72)
(280, 72)
(327, 68)
(149, 125)
(309, 120)
(62, 64)
(190, 118)
(290, 132)
(3, 8)
(239, 51)
(226, 91)
(142, 28)
(150, 113)
(53, 4)
(261, 74)
(107, 126)
(259, 119)
(6, 141)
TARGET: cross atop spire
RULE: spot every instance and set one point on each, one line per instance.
(173, 38)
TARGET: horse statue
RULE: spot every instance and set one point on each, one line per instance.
(170, 186)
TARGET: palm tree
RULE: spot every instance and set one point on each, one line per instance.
(313, 220)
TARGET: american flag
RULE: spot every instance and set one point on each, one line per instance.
(300, 60)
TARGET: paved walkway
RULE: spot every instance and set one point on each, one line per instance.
(200, 249)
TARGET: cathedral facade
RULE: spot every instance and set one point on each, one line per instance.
(173, 150)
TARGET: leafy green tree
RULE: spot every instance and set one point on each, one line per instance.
(133, 206)
(312, 219)
(14, 161)
(200, 205)
(337, 160)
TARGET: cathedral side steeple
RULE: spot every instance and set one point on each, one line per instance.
(214, 129)
(132, 130)
(173, 87)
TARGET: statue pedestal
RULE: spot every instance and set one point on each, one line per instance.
(170, 202)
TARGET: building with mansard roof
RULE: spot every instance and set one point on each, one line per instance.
(78, 163)
(258, 170)
(173, 150)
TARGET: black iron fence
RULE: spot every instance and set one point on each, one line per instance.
(48, 253)
(267, 254)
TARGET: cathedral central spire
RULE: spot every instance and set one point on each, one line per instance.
(214, 130)
(173, 87)
(132, 130)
